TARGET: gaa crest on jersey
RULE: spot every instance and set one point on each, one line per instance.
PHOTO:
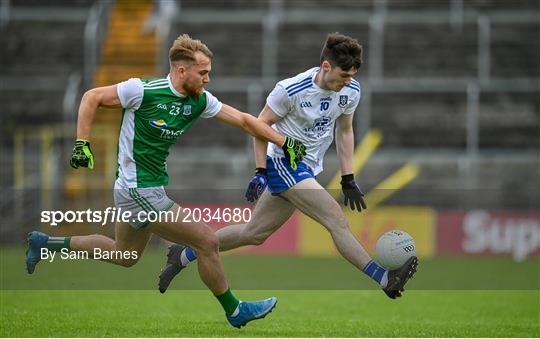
(343, 100)
(187, 110)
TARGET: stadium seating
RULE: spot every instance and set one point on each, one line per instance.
(515, 57)
(53, 3)
(422, 122)
(37, 58)
(35, 52)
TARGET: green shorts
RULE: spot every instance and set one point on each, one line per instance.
(140, 202)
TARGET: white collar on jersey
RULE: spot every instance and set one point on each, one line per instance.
(172, 87)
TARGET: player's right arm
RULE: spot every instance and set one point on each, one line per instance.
(268, 117)
(276, 108)
(100, 96)
(259, 181)
(127, 94)
(106, 96)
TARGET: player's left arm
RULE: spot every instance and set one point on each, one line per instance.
(249, 124)
(345, 143)
(354, 197)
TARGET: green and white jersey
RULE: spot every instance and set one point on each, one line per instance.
(153, 118)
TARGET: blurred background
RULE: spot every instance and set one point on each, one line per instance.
(447, 131)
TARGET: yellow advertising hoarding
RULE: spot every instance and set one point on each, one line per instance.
(368, 226)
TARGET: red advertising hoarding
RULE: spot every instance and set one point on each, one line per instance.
(489, 233)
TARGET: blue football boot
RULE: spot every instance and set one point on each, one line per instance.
(36, 241)
(253, 310)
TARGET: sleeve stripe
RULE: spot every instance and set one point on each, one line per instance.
(353, 87)
(299, 89)
(157, 86)
(298, 84)
(156, 82)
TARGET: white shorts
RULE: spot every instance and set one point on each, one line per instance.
(136, 200)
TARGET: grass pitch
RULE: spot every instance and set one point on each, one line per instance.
(317, 298)
(298, 314)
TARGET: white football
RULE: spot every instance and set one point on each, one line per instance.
(394, 248)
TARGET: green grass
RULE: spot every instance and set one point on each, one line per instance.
(298, 314)
(318, 297)
(265, 273)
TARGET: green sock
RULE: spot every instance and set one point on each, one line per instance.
(228, 301)
(57, 243)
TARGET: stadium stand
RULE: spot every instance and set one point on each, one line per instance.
(30, 56)
(43, 54)
(421, 74)
(53, 4)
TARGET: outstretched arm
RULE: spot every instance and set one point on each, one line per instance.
(250, 124)
(293, 149)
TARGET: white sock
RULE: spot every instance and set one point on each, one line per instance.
(384, 280)
(183, 258)
(188, 255)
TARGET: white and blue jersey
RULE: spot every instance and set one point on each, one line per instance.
(308, 113)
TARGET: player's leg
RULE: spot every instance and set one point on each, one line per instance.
(309, 197)
(203, 240)
(127, 239)
(313, 200)
(269, 215)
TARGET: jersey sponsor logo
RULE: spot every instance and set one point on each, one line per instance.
(187, 110)
(343, 100)
(305, 104)
(161, 106)
(320, 127)
(326, 99)
(158, 123)
(167, 134)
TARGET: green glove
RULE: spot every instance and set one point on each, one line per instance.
(294, 151)
(82, 155)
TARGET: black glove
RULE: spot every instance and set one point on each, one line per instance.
(257, 184)
(294, 151)
(353, 194)
(82, 155)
